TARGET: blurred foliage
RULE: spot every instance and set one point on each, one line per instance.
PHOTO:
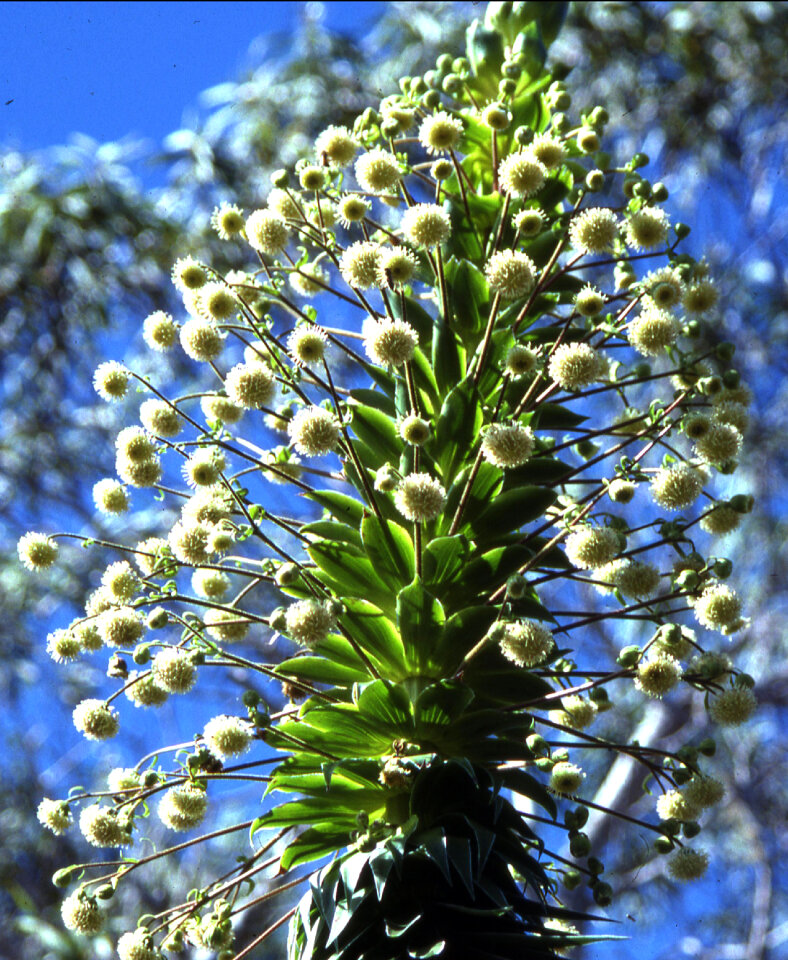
(85, 253)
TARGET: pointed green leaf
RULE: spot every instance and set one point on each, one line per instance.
(463, 630)
(348, 571)
(313, 844)
(374, 398)
(448, 357)
(527, 786)
(390, 550)
(420, 619)
(469, 295)
(333, 530)
(320, 670)
(386, 704)
(553, 416)
(443, 558)
(485, 485)
(378, 431)
(510, 511)
(376, 635)
(344, 508)
(457, 429)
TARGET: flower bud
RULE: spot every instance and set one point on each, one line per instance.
(663, 845)
(742, 503)
(572, 879)
(580, 845)
(157, 618)
(603, 894)
(595, 180)
(538, 746)
(659, 192)
(523, 136)
(64, 876)
(682, 230)
(628, 656)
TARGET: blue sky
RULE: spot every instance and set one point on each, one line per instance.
(112, 69)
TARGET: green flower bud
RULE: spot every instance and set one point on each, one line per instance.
(659, 192)
(707, 747)
(538, 746)
(580, 845)
(742, 503)
(141, 654)
(432, 79)
(628, 656)
(545, 764)
(723, 567)
(599, 696)
(63, 877)
(581, 816)
(731, 379)
(682, 230)
(461, 65)
(444, 62)
(157, 618)
(603, 894)
(390, 127)
(250, 698)
(595, 180)
(629, 185)
(725, 351)
(516, 586)
(279, 178)
(690, 829)
(639, 160)
(687, 580)
(507, 87)
(431, 100)
(595, 865)
(642, 190)
(663, 845)
(709, 386)
(572, 879)
(560, 100)
(452, 84)
(744, 681)
(523, 136)
(105, 892)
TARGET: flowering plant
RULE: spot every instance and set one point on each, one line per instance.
(509, 440)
